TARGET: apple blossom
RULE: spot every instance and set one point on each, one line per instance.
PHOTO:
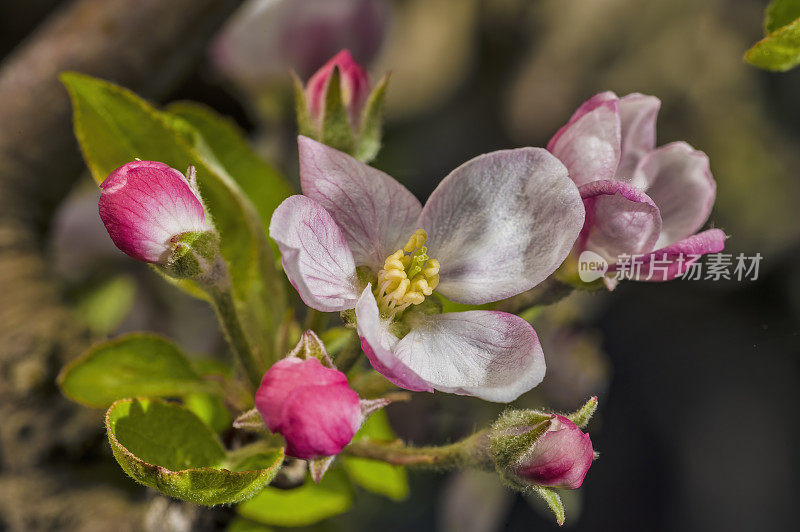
(154, 214)
(496, 226)
(640, 200)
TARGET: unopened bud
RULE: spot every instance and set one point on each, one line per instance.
(154, 214)
(531, 447)
(340, 107)
(354, 86)
(308, 401)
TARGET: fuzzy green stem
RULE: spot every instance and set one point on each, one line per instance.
(472, 451)
(217, 285)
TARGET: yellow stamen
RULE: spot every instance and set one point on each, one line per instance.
(408, 275)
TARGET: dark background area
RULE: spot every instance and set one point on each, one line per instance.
(697, 426)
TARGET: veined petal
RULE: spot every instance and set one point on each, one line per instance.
(679, 181)
(376, 213)
(589, 144)
(379, 344)
(620, 219)
(492, 355)
(637, 113)
(500, 223)
(672, 261)
(315, 254)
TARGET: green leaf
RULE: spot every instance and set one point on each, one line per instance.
(374, 475)
(778, 51)
(213, 367)
(114, 126)
(780, 13)
(211, 409)
(166, 447)
(105, 306)
(553, 502)
(369, 139)
(306, 505)
(226, 144)
(133, 364)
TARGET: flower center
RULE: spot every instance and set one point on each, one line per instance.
(408, 275)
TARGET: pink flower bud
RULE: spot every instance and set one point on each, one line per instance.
(310, 405)
(145, 205)
(560, 458)
(355, 86)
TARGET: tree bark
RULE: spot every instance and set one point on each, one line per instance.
(147, 45)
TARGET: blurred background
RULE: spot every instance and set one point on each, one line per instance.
(698, 380)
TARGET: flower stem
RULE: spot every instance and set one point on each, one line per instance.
(217, 285)
(472, 451)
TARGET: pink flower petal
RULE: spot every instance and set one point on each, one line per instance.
(638, 113)
(620, 219)
(679, 181)
(589, 144)
(491, 355)
(145, 203)
(312, 406)
(500, 223)
(672, 261)
(560, 458)
(320, 420)
(283, 377)
(378, 344)
(315, 254)
(376, 213)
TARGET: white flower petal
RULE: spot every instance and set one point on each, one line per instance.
(492, 355)
(315, 254)
(620, 219)
(376, 213)
(679, 181)
(501, 223)
(378, 344)
(589, 144)
(637, 113)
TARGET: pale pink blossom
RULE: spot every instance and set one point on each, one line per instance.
(496, 226)
(640, 200)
